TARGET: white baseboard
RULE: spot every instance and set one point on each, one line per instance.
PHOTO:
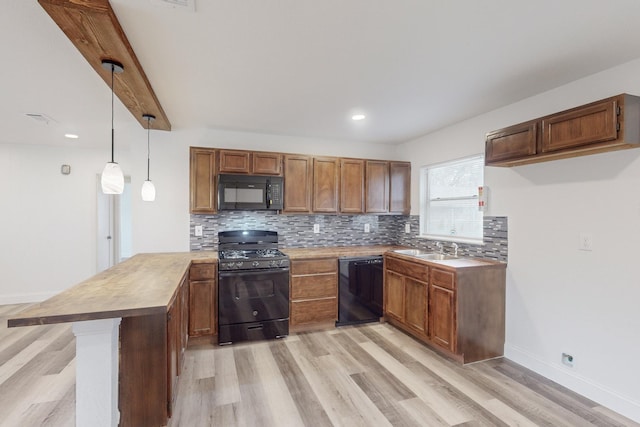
(26, 298)
(606, 397)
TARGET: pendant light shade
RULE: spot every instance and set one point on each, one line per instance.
(112, 179)
(148, 189)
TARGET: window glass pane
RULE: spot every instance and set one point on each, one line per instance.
(450, 207)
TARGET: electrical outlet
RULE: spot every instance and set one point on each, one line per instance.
(367, 228)
(407, 228)
(316, 228)
(586, 242)
(567, 359)
(198, 231)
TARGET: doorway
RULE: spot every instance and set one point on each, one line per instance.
(114, 239)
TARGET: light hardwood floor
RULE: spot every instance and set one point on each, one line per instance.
(372, 375)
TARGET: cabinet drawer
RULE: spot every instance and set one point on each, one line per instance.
(202, 272)
(416, 271)
(442, 278)
(314, 311)
(314, 266)
(317, 286)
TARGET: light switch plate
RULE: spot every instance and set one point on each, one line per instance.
(367, 228)
(198, 231)
(586, 242)
(407, 228)
(316, 228)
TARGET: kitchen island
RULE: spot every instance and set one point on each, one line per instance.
(123, 321)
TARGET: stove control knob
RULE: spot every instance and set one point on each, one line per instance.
(273, 263)
(255, 263)
(239, 264)
(282, 262)
(255, 313)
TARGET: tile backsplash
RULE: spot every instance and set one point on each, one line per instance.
(296, 231)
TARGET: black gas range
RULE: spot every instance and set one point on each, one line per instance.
(253, 286)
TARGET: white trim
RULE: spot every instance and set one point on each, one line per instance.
(451, 239)
(611, 399)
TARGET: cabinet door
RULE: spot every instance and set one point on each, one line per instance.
(377, 187)
(184, 321)
(416, 305)
(267, 164)
(202, 189)
(201, 307)
(442, 317)
(173, 352)
(297, 183)
(232, 161)
(351, 186)
(511, 143)
(400, 188)
(585, 125)
(394, 295)
(325, 184)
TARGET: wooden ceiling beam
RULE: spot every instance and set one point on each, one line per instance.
(94, 30)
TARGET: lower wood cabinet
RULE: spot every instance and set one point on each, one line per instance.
(458, 310)
(151, 354)
(314, 293)
(405, 296)
(202, 299)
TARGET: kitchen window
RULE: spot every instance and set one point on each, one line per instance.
(449, 200)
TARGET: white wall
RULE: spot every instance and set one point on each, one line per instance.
(560, 299)
(48, 220)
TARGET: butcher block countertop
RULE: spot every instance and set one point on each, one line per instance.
(337, 251)
(142, 285)
(452, 264)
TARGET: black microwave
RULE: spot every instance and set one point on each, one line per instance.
(250, 192)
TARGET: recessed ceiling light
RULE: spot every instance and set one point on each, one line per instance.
(358, 117)
(71, 135)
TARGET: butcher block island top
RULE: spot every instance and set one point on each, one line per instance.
(142, 285)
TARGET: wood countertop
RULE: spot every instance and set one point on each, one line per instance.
(452, 264)
(337, 251)
(142, 285)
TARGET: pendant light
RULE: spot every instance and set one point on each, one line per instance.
(148, 189)
(112, 177)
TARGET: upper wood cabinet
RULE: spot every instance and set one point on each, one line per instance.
(202, 182)
(249, 162)
(317, 184)
(352, 186)
(605, 125)
(513, 142)
(297, 183)
(266, 163)
(400, 187)
(388, 187)
(325, 184)
(377, 187)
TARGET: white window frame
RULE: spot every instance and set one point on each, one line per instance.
(424, 203)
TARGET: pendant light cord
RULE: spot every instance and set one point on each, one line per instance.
(112, 132)
(148, 149)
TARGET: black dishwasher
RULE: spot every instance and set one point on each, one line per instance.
(360, 293)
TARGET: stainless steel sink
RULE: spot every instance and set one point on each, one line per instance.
(411, 252)
(436, 256)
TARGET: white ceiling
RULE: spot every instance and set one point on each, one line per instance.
(302, 67)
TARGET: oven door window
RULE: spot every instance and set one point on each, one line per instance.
(249, 296)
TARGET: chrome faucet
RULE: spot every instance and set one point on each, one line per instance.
(455, 249)
(440, 247)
